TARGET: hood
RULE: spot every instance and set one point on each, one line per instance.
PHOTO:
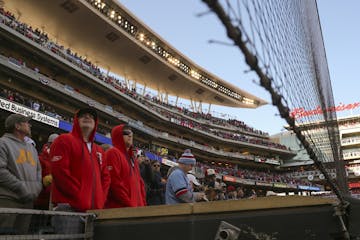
(118, 139)
(76, 131)
(13, 137)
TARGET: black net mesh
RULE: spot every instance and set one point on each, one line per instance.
(282, 42)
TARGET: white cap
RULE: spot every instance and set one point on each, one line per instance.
(193, 179)
(210, 172)
(52, 137)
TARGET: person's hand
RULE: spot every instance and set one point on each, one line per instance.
(199, 196)
(47, 180)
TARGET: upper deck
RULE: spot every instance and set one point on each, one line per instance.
(112, 38)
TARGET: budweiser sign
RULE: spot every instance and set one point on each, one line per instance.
(301, 112)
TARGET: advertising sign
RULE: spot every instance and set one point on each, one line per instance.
(17, 108)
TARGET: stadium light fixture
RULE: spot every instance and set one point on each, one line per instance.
(141, 37)
(151, 44)
(112, 14)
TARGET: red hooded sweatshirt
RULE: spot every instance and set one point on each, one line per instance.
(127, 187)
(43, 199)
(80, 176)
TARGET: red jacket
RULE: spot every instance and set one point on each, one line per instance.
(43, 199)
(80, 177)
(127, 187)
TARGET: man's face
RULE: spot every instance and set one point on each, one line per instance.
(24, 128)
(86, 121)
(128, 137)
(189, 167)
(141, 159)
(156, 166)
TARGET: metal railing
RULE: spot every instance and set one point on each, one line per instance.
(40, 224)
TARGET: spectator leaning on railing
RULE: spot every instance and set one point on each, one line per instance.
(156, 191)
(178, 187)
(20, 173)
(80, 176)
(127, 186)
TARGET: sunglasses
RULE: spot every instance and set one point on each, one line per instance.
(127, 132)
(156, 165)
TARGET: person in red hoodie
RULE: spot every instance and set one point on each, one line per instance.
(127, 187)
(80, 177)
(43, 200)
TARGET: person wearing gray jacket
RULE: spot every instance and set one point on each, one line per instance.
(20, 173)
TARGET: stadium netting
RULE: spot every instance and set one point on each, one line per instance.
(282, 43)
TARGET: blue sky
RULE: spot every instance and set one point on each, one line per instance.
(177, 22)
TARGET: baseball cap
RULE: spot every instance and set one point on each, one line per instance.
(193, 179)
(12, 119)
(210, 172)
(139, 152)
(52, 137)
(89, 110)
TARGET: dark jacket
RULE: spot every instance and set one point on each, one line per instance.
(156, 191)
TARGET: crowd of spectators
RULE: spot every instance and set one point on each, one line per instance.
(42, 39)
(225, 134)
(349, 124)
(227, 191)
(230, 169)
(351, 153)
(310, 170)
(355, 139)
(228, 123)
(355, 191)
(8, 94)
(217, 190)
(175, 118)
(268, 176)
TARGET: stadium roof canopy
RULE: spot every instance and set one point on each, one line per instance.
(114, 39)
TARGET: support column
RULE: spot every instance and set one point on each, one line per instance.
(200, 107)
(127, 83)
(167, 98)
(144, 90)
(160, 96)
(192, 105)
